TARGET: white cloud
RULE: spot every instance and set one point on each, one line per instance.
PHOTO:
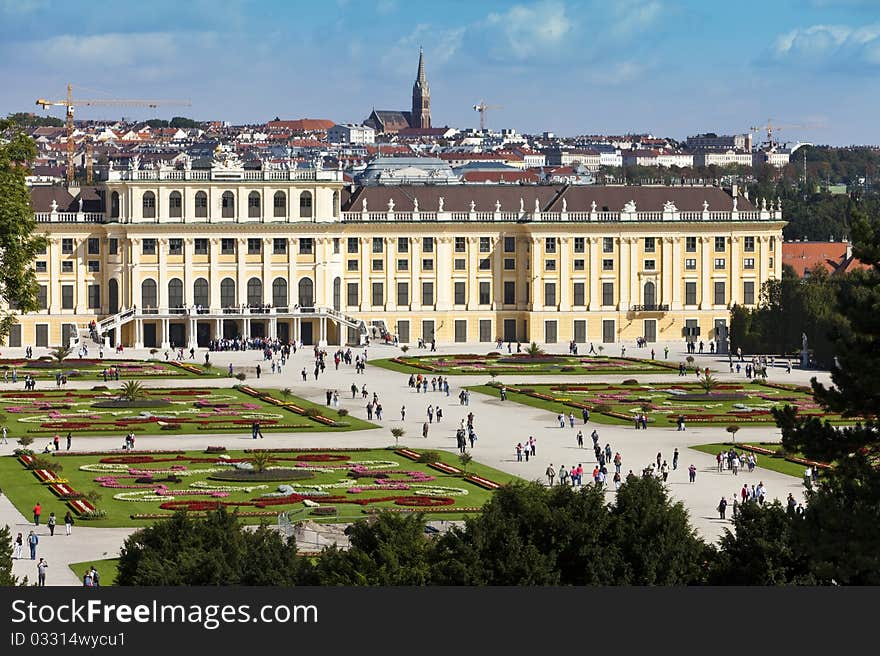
(21, 6)
(617, 73)
(532, 29)
(115, 50)
(633, 16)
(828, 46)
(440, 46)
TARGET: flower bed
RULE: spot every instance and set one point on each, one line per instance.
(446, 469)
(484, 483)
(408, 453)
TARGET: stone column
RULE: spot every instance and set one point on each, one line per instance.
(415, 292)
(267, 268)
(537, 278)
(214, 276)
(623, 273)
(443, 268)
(563, 266)
(240, 271)
(53, 267)
(473, 266)
(188, 250)
(705, 272)
(763, 254)
(80, 301)
(162, 277)
(594, 273)
(734, 269)
(675, 280)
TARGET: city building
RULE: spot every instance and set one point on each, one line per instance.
(392, 121)
(349, 133)
(180, 256)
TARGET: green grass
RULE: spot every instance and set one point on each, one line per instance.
(773, 463)
(471, 365)
(77, 414)
(106, 570)
(664, 407)
(92, 369)
(23, 488)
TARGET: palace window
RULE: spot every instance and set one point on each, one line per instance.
(200, 246)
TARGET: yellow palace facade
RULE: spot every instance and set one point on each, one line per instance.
(179, 257)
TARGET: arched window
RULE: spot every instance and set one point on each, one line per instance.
(305, 205)
(650, 297)
(201, 205)
(254, 292)
(149, 204)
(335, 203)
(175, 294)
(337, 294)
(227, 292)
(175, 205)
(279, 293)
(114, 205)
(254, 205)
(228, 205)
(113, 289)
(149, 294)
(280, 205)
(201, 295)
(306, 289)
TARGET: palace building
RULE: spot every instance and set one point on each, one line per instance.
(178, 257)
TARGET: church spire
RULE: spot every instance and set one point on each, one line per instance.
(421, 97)
(420, 77)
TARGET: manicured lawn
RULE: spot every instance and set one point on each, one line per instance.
(730, 403)
(106, 570)
(93, 369)
(185, 411)
(773, 463)
(353, 482)
(520, 363)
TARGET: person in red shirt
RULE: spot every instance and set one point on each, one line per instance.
(38, 510)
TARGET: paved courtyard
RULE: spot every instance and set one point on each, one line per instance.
(499, 426)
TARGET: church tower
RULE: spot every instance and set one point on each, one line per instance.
(421, 97)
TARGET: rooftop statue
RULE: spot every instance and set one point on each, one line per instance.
(630, 206)
(564, 205)
(537, 207)
(473, 205)
(669, 206)
(497, 205)
(593, 206)
(415, 204)
(705, 206)
(440, 204)
(364, 204)
(390, 204)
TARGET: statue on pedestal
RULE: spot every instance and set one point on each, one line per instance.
(630, 207)
(473, 205)
(497, 205)
(564, 205)
(390, 204)
(364, 204)
(705, 206)
(593, 207)
(440, 204)
(734, 204)
(415, 205)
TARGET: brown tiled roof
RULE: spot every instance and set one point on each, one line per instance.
(501, 176)
(457, 198)
(302, 125)
(803, 256)
(41, 199)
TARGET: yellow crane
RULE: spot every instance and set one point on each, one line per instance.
(770, 128)
(70, 102)
(482, 107)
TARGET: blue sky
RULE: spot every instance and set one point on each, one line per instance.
(669, 67)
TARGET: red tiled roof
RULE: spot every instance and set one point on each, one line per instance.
(302, 125)
(501, 176)
(803, 256)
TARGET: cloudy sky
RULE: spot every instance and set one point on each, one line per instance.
(668, 67)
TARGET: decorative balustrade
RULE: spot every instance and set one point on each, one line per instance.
(160, 175)
(553, 217)
(69, 217)
(649, 308)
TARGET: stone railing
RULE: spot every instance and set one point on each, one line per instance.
(177, 175)
(554, 217)
(69, 217)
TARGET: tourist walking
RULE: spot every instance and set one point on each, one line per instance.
(722, 507)
(51, 523)
(551, 474)
(425, 430)
(38, 510)
(692, 473)
(675, 459)
(18, 544)
(580, 440)
(68, 523)
(33, 541)
(41, 572)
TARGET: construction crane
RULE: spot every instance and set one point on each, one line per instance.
(770, 128)
(482, 107)
(70, 102)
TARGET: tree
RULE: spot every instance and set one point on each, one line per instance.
(261, 460)
(132, 391)
(529, 534)
(534, 350)
(397, 432)
(19, 240)
(733, 429)
(61, 352)
(391, 549)
(217, 550)
(709, 383)
(656, 542)
(763, 549)
(7, 578)
(465, 460)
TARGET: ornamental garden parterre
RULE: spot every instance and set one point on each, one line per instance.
(524, 363)
(112, 489)
(727, 403)
(103, 411)
(46, 368)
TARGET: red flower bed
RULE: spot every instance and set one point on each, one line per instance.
(135, 460)
(323, 457)
(407, 453)
(446, 469)
(424, 502)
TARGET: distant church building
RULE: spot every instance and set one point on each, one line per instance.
(389, 121)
